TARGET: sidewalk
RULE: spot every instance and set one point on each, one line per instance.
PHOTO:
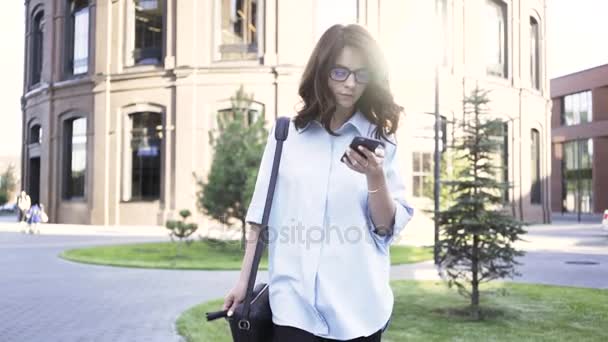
(560, 236)
(9, 224)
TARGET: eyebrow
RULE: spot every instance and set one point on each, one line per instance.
(345, 67)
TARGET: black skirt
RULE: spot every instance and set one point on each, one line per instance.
(292, 334)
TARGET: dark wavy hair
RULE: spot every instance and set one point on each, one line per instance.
(376, 102)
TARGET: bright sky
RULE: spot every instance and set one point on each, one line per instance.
(577, 31)
(12, 26)
(576, 34)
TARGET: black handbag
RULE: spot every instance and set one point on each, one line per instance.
(251, 320)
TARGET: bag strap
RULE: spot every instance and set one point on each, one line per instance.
(280, 134)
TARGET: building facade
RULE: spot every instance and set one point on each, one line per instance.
(580, 142)
(119, 95)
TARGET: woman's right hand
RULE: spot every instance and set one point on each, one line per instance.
(234, 297)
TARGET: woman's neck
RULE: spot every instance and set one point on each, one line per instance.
(341, 115)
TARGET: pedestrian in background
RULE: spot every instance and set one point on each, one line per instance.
(35, 216)
(23, 204)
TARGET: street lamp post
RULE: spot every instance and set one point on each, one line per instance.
(436, 183)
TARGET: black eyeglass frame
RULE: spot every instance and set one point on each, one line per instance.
(349, 71)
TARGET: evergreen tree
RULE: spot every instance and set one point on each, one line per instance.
(476, 235)
(238, 149)
(181, 229)
(8, 183)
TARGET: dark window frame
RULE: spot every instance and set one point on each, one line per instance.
(535, 171)
(36, 47)
(143, 55)
(35, 134)
(577, 174)
(498, 70)
(255, 111)
(253, 43)
(68, 190)
(72, 8)
(138, 169)
(576, 109)
(501, 133)
(535, 53)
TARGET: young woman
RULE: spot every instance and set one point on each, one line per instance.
(332, 218)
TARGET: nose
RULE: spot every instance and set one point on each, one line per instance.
(350, 81)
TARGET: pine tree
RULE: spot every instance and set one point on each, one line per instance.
(238, 149)
(476, 235)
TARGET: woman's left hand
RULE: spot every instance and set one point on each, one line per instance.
(371, 166)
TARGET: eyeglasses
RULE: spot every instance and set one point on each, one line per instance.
(341, 74)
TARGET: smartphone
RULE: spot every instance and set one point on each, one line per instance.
(369, 143)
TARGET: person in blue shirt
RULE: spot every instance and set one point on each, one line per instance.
(332, 218)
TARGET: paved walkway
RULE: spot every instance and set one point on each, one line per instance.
(45, 298)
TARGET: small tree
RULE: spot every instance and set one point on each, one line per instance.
(477, 237)
(238, 149)
(8, 183)
(181, 229)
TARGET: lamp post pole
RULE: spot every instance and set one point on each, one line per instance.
(436, 154)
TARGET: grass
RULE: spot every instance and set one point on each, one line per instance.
(429, 311)
(204, 254)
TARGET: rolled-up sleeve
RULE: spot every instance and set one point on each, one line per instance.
(404, 211)
(255, 211)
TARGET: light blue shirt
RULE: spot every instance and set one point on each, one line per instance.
(328, 270)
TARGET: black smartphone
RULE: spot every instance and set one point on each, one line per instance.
(369, 143)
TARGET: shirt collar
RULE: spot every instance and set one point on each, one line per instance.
(358, 120)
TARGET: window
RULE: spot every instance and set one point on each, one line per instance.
(241, 29)
(577, 181)
(534, 53)
(36, 48)
(422, 175)
(148, 48)
(35, 134)
(578, 109)
(252, 109)
(75, 161)
(535, 191)
(496, 38)
(146, 138)
(334, 12)
(500, 158)
(77, 37)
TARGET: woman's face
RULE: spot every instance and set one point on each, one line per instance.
(348, 88)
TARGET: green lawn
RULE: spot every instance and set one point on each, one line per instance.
(427, 311)
(207, 254)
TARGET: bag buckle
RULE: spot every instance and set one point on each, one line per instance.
(244, 324)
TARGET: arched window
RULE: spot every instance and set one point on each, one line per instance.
(75, 157)
(35, 134)
(534, 53)
(36, 47)
(499, 133)
(251, 111)
(535, 191)
(495, 42)
(145, 151)
(77, 37)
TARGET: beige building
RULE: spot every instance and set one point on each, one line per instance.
(120, 95)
